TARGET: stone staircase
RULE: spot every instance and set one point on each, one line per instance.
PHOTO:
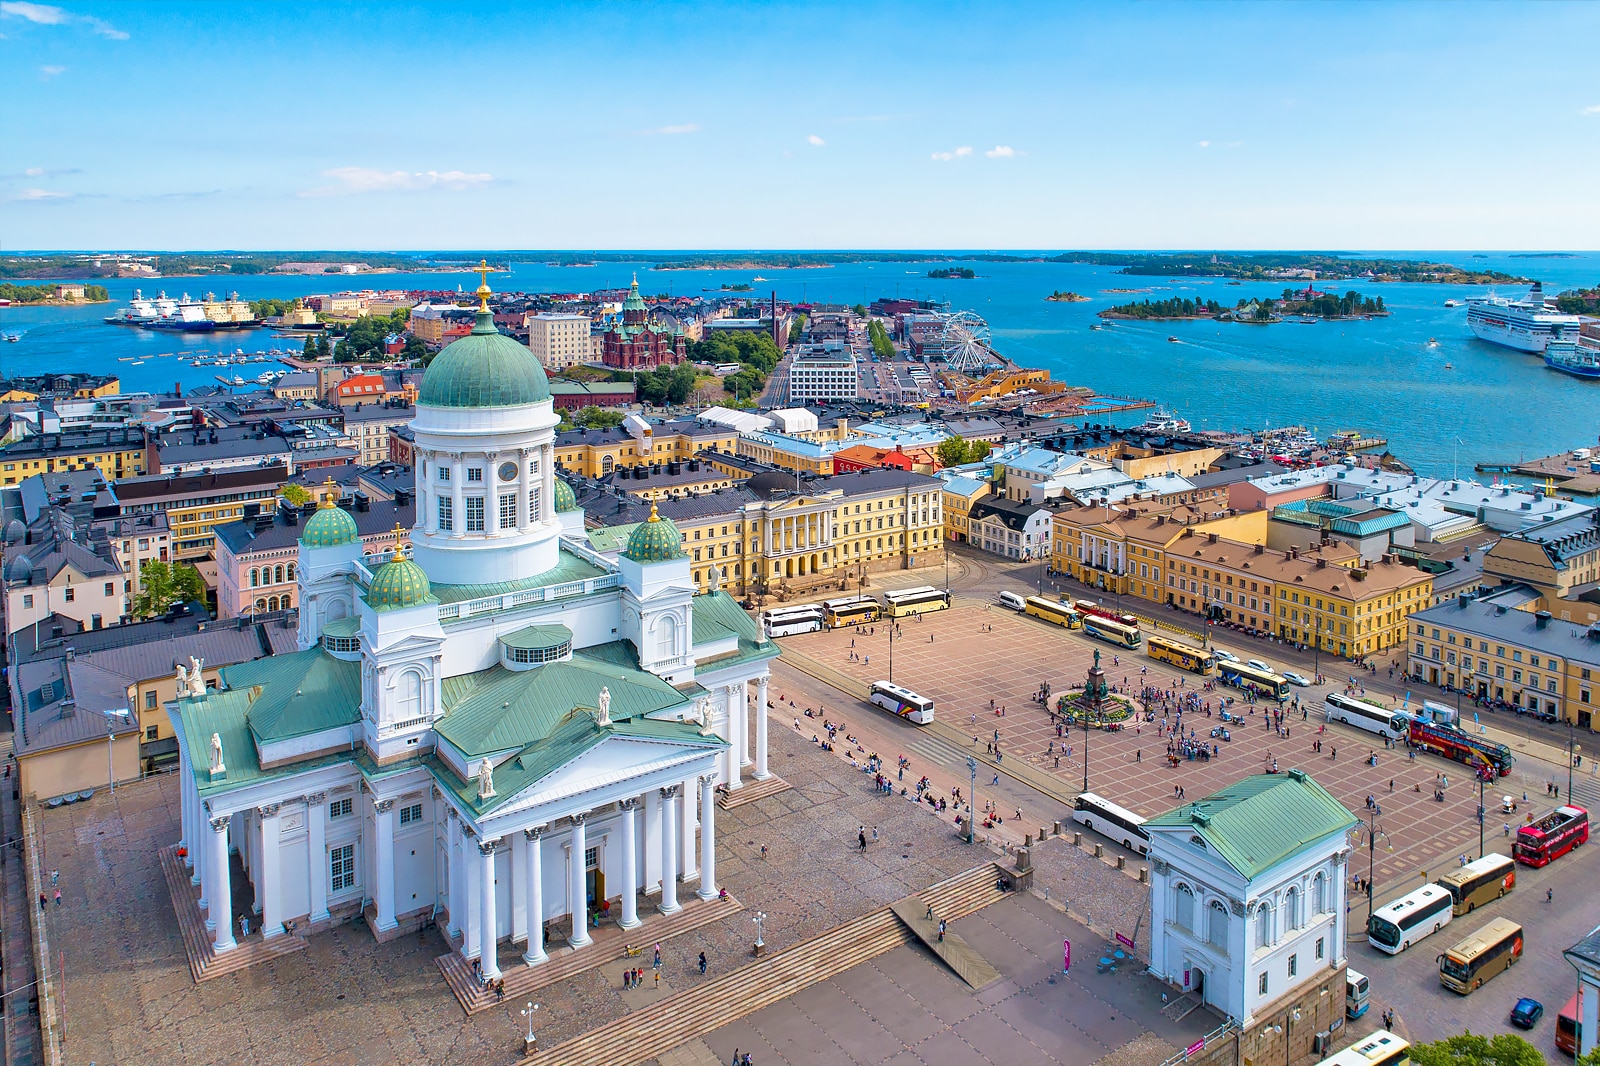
(694, 1012)
(956, 953)
(610, 946)
(752, 791)
(198, 942)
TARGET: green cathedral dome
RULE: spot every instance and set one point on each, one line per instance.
(565, 499)
(330, 527)
(484, 369)
(398, 583)
(656, 540)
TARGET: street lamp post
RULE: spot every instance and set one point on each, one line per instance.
(111, 734)
(972, 796)
(1372, 844)
(892, 624)
(760, 918)
(1481, 819)
(1094, 694)
(1572, 750)
(530, 1041)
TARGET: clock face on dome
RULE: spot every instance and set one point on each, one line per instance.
(508, 471)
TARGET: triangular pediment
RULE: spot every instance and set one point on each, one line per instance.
(613, 761)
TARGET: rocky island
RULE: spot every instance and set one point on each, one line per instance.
(1066, 298)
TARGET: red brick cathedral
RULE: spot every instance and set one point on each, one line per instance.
(636, 343)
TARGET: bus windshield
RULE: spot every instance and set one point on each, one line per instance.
(1383, 931)
(1453, 967)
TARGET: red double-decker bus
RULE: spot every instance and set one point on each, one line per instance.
(1541, 843)
(1090, 607)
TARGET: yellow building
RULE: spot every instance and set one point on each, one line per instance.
(1496, 646)
(196, 503)
(596, 452)
(765, 540)
(1125, 549)
(1560, 560)
(116, 453)
(960, 494)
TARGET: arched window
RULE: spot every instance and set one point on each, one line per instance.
(666, 637)
(1264, 926)
(606, 463)
(277, 576)
(1291, 909)
(1319, 894)
(408, 696)
(1183, 910)
(272, 603)
(255, 577)
(261, 605)
(286, 602)
(290, 572)
(1217, 924)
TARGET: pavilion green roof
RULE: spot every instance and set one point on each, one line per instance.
(1257, 822)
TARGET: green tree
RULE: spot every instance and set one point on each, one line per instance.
(310, 350)
(860, 310)
(882, 346)
(952, 451)
(978, 450)
(162, 585)
(298, 495)
(414, 350)
(96, 292)
(597, 417)
(324, 349)
(797, 328)
(1469, 1049)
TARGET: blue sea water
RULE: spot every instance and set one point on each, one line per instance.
(1380, 376)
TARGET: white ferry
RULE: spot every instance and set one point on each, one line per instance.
(1528, 324)
(1162, 420)
(139, 312)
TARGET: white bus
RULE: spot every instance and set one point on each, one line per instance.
(850, 611)
(902, 701)
(1396, 926)
(1111, 631)
(1012, 600)
(786, 621)
(923, 598)
(1111, 821)
(1382, 1048)
(1388, 724)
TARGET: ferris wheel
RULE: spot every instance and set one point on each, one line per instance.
(965, 343)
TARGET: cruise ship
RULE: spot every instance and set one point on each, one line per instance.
(139, 312)
(1528, 324)
(184, 315)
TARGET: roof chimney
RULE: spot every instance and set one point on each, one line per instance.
(1542, 618)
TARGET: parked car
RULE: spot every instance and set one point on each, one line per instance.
(1527, 1012)
(1296, 679)
(1225, 655)
(1259, 665)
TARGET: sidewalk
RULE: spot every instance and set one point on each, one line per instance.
(21, 1023)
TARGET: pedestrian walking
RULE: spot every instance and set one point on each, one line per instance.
(658, 979)
(58, 898)
(658, 955)
(874, 834)
(702, 962)
(941, 930)
(55, 878)
(861, 838)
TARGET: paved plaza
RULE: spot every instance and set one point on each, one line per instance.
(346, 999)
(969, 655)
(907, 1009)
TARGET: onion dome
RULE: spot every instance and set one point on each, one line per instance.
(634, 302)
(566, 500)
(655, 540)
(399, 583)
(485, 368)
(331, 526)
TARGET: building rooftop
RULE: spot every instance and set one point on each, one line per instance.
(1260, 821)
(1496, 616)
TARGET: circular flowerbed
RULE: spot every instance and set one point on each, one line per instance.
(1116, 710)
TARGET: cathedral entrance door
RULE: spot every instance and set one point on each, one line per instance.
(594, 881)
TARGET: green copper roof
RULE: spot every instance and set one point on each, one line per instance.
(717, 616)
(565, 499)
(656, 540)
(484, 369)
(1258, 822)
(399, 583)
(538, 638)
(569, 568)
(299, 693)
(330, 527)
(634, 302)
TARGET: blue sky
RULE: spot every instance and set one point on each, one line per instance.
(861, 125)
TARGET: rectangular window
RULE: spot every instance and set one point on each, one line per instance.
(533, 505)
(474, 473)
(1319, 947)
(150, 701)
(1261, 985)
(340, 808)
(1294, 965)
(447, 516)
(152, 732)
(444, 473)
(474, 514)
(342, 867)
(508, 511)
(411, 814)
(110, 588)
(70, 593)
(27, 599)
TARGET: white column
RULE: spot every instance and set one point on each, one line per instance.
(630, 867)
(269, 885)
(221, 901)
(762, 773)
(525, 515)
(708, 838)
(202, 868)
(652, 841)
(669, 850)
(453, 872)
(735, 725)
(458, 498)
(472, 877)
(577, 887)
(533, 891)
(742, 697)
(197, 824)
(383, 850)
(185, 817)
(489, 933)
(687, 867)
(317, 853)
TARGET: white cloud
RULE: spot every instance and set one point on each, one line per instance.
(1595, 110)
(50, 72)
(1001, 151)
(46, 15)
(687, 127)
(40, 194)
(965, 149)
(943, 157)
(366, 179)
(815, 141)
(1205, 144)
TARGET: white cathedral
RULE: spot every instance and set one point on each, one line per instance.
(499, 728)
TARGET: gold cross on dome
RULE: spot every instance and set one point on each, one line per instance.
(482, 270)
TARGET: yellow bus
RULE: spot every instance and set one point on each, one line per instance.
(1479, 882)
(1051, 611)
(923, 598)
(1180, 655)
(1495, 947)
(850, 611)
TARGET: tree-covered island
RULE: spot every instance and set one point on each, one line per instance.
(947, 273)
(1285, 266)
(1066, 298)
(1301, 304)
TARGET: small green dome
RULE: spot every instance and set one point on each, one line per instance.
(399, 583)
(656, 540)
(565, 499)
(484, 369)
(330, 527)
